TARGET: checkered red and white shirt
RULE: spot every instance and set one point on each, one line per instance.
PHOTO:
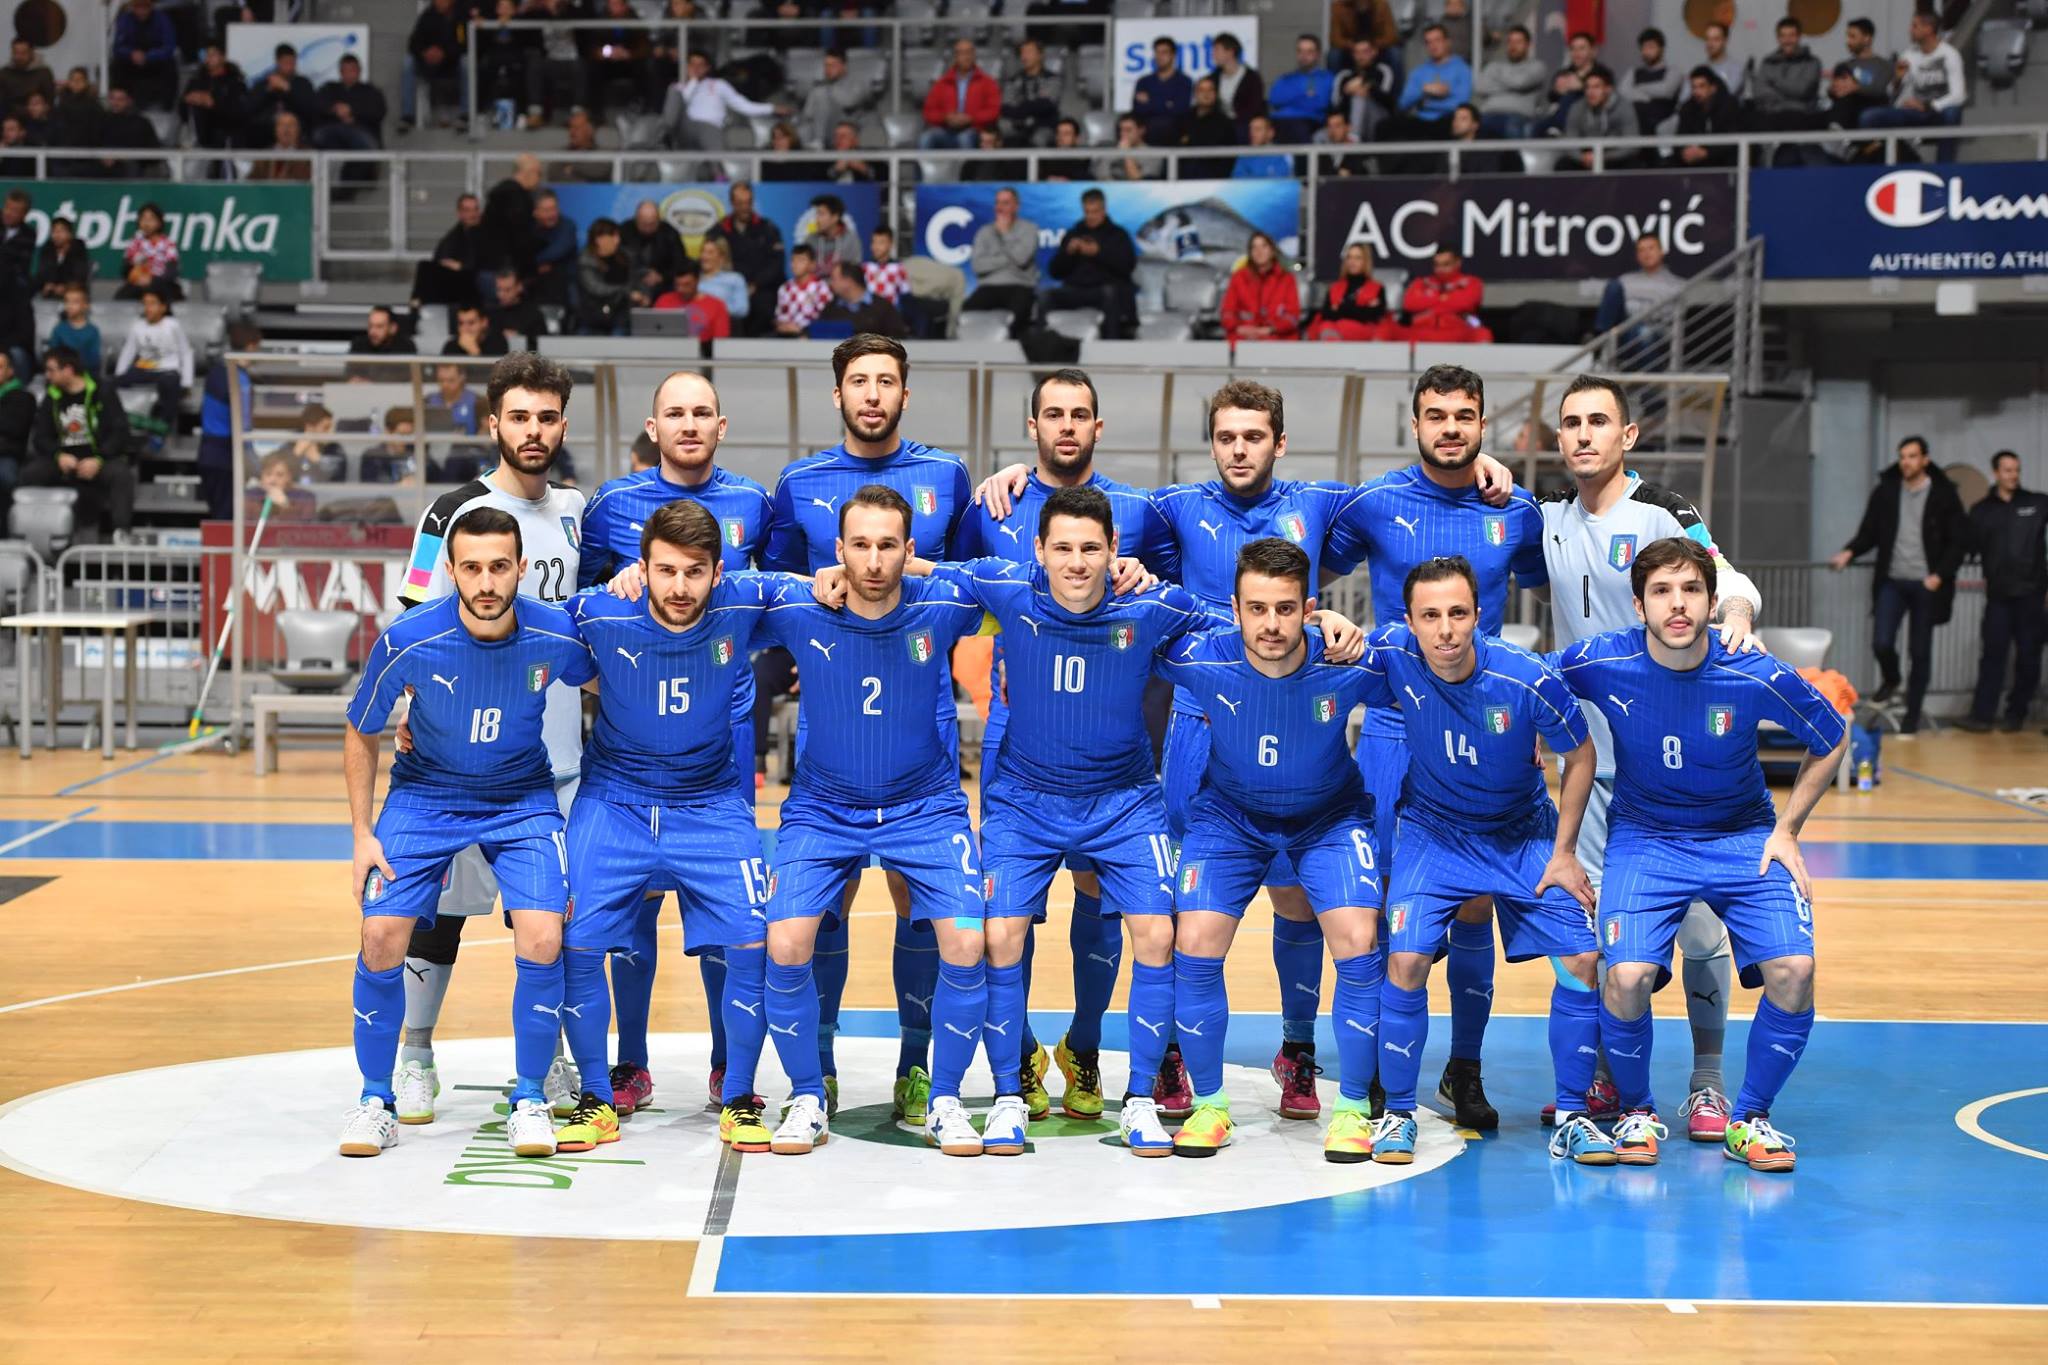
(800, 301)
(887, 279)
(159, 253)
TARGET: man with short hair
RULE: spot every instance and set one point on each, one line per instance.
(142, 55)
(857, 306)
(831, 238)
(653, 247)
(281, 90)
(2009, 532)
(1931, 88)
(1163, 94)
(1434, 88)
(1568, 84)
(836, 99)
(1031, 98)
(962, 101)
(756, 246)
(81, 441)
(1785, 89)
(1368, 89)
(434, 51)
(1873, 74)
(1652, 84)
(1240, 88)
(555, 251)
(1732, 71)
(1635, 293)
(1066, 137)
(1599, 114)
(214, 97)
(352, 111)
(1443, 306)
(25, 74)
(381, 336)
(1299, 98)
(1509, 88)
(1095, 265)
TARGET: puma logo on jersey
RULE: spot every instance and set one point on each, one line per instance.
(634, 526)
(433, 520)
(1233, 705)
(1157, 1029)
(999, 1030)
(1624, 705)
(1786, 1051)
(1711, 997)
(825, 650)
(1635, 1056)
(1212, 530)
(629, 956)
(1408, 1051)
(448, 683)
(1108, 962)
(1776, 674)
(1031, 623)
(629, 657)
(1413, 695)
(573, 1011)
(1486, 994)
(1585, 1051)
(825, 503)
(752, 1010)
(1307, 989)
(1008, 530)
(1406, 525)
(419, 973)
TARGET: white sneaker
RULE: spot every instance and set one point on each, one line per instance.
(563, 1086)
(368, 1128)
(417, 1084)
(803, 1127)
(531, 1130)
(1002, 1132)
(947, 1127)
(1141, 1130)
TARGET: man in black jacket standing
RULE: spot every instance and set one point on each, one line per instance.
(1094, 265)
(2009, 532)
(1914, 522)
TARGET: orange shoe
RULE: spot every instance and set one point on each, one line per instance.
(1635, 1138)
(1754, 1141)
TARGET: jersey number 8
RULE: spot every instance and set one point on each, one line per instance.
(1674, 752)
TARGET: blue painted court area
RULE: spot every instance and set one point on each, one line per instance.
(1892, 1202)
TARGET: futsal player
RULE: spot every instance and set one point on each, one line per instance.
(877, 780)
(871, 388)
(685, 428)
(528, 399)
(1693, 820)
(1475, 821)
(478, 665)
(1279, 783)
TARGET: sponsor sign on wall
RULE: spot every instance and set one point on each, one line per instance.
(1853, 222)
(209, 220)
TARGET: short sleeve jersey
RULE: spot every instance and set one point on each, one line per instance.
(1403, 518)
(804, 520)
(617, 514)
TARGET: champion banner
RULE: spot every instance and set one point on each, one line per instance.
(1169, 220)
(1530, 227)
(210, 221)
(692, 210)
(1972, 219)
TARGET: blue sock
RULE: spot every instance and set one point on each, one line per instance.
(1628, 1056)
(1298, 959)
(1201, 1014)
(959, 1008)
(711, 971)
(914, 966)
(1005, 1015)
(1404, 1028)
(633, 983)
(378, 1000)
(1776, 1041)
(1574, 1043)
(792, 1008)
(1469, 975)
(1151, 1023)
(746, 1018)
(828, 966)
(536, 1023)
(1027, 1045)
(1356, 1011)
(1098, 945)
(587, 1018)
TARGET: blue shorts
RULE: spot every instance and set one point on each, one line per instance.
(1121, 836)
(929, 842)
(524, 847)
(1382, 757)
(709, 854)
(1652, 879)
(991, 742)
(1180, 778)
(1229, 853)
(1437, 869)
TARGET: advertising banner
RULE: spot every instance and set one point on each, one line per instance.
(209, 220)
(326, 566)
(1530, 227)
(1169, 220)
(321, 47)
(1195, 37)
(1854, 222)
(692, 210)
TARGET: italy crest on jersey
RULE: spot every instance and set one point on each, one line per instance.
(1497, 719)
(1326, 708)
(1496, 531)
(1621, 552)
(773, 879)
(722, 650)
(1294, 528)
(571, 529)
(373, 886)
(537, 678)
(920, 643)
(1122, 637)
(1190, 879)
(925, 499)
(1613, 932)
(1720, 721)
(988, 886)
(735, 531)
(1397, 918)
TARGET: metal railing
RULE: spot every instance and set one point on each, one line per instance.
(1812, 594)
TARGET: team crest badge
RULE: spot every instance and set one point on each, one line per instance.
(1613, 932)
(1621, 552)
(1397, 918)
(1326, 708)
(773, 878)
(1496, 720)
(926, 499)
(373, 885)
(1720, 721)
(920, 643)
(569, 907)
(1294, 528)
(537, 678)
(1190, 879)
(735, 531)
(988, 886)
(569, 529)
(1496, 531)
(1122, 636)
(722, 650)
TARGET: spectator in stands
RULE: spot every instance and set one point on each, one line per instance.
(782, 162)
(848, 169)
(963, 99)
(1353, 306)
(1930, 90)
(1005, 261)
(557, 68)
(1067, 35)
(1785, 89)
(1368, 91)
(1434, 88)
(142, 56)
(1351, 20)
(434, 52)
(1263, 299)
(452, 393)
(81, 441)
(709, 320)
(775, 38)
(14, 144)
(1569, 81)
(1509, 88)
(554, 252)
(17, 238)
(756, 246)
(1652, 85)
(126, 126)
(1600, 113)
(802, 296)
(605, 296)
(505, 58)
(288, 136)
(1095, 265)
(474, 335)
(381, 336)
(835, 100)
(1847, 102)
(35, 118)
(1207, 124)
(214, 99)
(23, 76)
(282, 90)
(277, 485)
(1163, 95)
(76, 329)
(1873, 73)
(1708, 110)
(317, 460)
(617, 55)
(1124, 163)
(1240, 88)
(1336, 132)
(1259, 133)
(2007, 533)
(514, 317)
(693, 118)
(508, 240)
(1443, 306)
(1031, 99)
(396, 458)
(157, 355)
(653, 248)
(857, 308)
(1914, 522)
(1733, 71)
(1457, 22)
(1066, 137)
(1631, 296)
(717, 279)
(353, 112)
(151, 259)
(450, 274)
(77, 115)
(17, 424)
(582, 138)
(882, 272)
(831, 239)
(1299, 98)
(1473, 158)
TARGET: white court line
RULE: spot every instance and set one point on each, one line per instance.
(50, 828)
(704, 1270)
(1967, 1119)
(1560, 1300)
(1676, 1306)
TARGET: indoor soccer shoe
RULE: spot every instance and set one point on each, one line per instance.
(1139, 1127)
(416, 1084)
(594, 1122)
(1580, 1140)
(1754, 1140)
(1296, 1077)
(1350, 1138)
(741, 1127)
(1083, 1097)
(947, 1127)
(1172, 1091)
(1705, 1113)
(368, 1128)
(562, 1086)
(1002, 1132)
(1031, 1084)
(1206, 1132)
(803, 1128)
(1460, 1089)
(1602, 1102)
(913, 1096)
(632, 1087)
(530, 1129)
(1635, 1138)
(717, 1086)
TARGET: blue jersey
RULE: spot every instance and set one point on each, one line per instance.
(476, 706)
(1076, 681)
(1141, 532)
(613, 520)
(870, 690)
(1685, 759)
(1211, 524)
(1472, 759)
(1277, 745)
(1402, 518)
(804, 521)
(660, 737)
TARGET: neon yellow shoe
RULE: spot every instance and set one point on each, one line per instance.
(1207, 1130)
(741, 1127)
(1083, 1099)
(1032, 1084)
(1349, 1140)
(913, 1096)
(1754, 1141)
(592, 1122)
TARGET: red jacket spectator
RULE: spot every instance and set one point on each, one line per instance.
(984, 99)
(1354, 308)
(1444, 305)
(1262, 305)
